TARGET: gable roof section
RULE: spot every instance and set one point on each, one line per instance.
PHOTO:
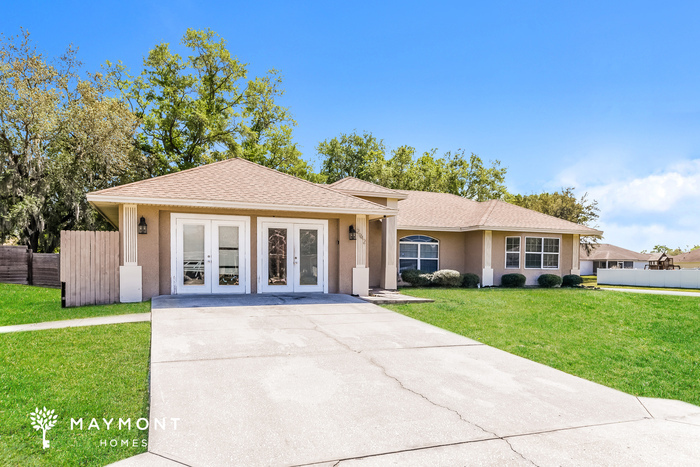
(237, 183)
(608, 252)
(357, 187)
(443, 211)
(690, 257)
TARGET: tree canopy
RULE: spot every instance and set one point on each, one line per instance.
(204, 108)
(61, 135)
(364, 157)
(563, 205)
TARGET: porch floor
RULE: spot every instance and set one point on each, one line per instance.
(388, 297)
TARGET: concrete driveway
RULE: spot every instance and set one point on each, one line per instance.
(331, 380)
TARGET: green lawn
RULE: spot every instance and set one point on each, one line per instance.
(593, 281)
(647, 345)
(89, 372)
(22, 304)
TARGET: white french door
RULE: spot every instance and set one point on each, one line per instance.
(292, 255)
(210, 254)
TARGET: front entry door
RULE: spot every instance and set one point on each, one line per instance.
(293, 256)
(210, 255)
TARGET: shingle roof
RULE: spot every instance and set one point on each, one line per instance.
(355, 185)
(237, 181)
(690, 257)
(450, 212)
(606, 251)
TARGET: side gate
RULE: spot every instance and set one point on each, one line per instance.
(89, 268)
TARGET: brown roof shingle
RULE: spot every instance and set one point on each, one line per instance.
(606, 251)
(355, 185)
(690, 257)
(238, 181)
(447, 211)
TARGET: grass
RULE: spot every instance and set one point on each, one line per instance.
(23, 304)
(593, 281)
(89, 372)
(646, 345)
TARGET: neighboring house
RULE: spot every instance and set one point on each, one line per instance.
(238, 227)
(690, 260)
(606, 256)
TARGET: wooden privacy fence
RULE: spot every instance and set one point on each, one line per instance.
(19, 265)
(89, 267)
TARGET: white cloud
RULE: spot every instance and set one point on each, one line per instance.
(651, 194)
(659, 208)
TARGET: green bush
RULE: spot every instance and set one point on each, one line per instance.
(416, 278)
(470, 280)
(571, 280)
(513, 280)
(549, 280)
(447, 278)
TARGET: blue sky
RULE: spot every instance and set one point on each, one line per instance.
(603, 96)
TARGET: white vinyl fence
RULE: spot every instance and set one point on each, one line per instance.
(678, 278)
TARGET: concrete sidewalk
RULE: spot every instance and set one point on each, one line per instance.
(74, 323)
(349, 383)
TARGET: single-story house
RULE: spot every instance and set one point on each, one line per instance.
(690, 260)
(606, 256)
(238, 227)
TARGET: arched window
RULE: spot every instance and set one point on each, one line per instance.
(419, 252)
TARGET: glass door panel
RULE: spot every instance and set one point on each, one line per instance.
(228, 247)
(308, 257)
(193, 255)
(277, 256)
(229, 266)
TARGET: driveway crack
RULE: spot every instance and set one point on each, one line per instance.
(400, 383)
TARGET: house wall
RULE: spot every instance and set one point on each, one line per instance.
(689, 265)
(498, 262)
(452, 250)
(154, 247)
(474, 252)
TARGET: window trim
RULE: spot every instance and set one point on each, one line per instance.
(418, 258)
(519, 252)
(542, 253)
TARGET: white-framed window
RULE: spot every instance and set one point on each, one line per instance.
(541, 253)
(419, 252)
(512, 252)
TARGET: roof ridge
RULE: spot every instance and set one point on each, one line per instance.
(488, 212)
(438, 193)
(362, 181)
(325, 187)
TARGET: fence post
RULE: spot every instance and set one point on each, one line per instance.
(30, 266)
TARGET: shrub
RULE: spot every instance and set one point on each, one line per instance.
(513, 280)
(549, 280)
(447, 278)
(416, 278)
(571, 280)
(470, 281)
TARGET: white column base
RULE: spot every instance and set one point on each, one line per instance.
(130, 284)
(487, 277)
(576, 272)
(360, 281)
(389, 275)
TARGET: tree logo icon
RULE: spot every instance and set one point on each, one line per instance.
(43, 420)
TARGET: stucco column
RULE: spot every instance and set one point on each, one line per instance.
(360, 273)
(130, 277)
(387, 279)
(575, 260)
(487, 273)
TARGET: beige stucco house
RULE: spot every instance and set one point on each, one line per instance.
(237, 227)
